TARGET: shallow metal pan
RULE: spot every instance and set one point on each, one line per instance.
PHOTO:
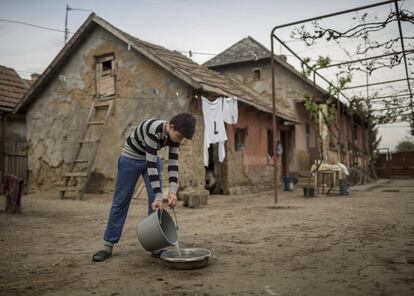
(191, 258)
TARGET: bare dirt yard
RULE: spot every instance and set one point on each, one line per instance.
(361, 244)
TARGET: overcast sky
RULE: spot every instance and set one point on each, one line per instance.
(200, 25)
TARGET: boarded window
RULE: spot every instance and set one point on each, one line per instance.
(239, 138)
(105, 76)
(257, 74)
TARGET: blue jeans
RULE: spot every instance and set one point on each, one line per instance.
(129, 170)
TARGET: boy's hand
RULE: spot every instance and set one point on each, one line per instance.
(172, 200)
(157, 204)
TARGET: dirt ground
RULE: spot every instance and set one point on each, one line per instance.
(361, 244)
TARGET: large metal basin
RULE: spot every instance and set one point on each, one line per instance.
(191, 258)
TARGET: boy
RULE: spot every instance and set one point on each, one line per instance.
(139, 157)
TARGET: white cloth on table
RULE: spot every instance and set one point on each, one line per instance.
(214, 130)
(326, 167)
(343, 168)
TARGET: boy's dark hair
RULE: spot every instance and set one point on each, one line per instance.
(185, 124)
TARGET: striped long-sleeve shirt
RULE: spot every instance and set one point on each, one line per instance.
(144, 143)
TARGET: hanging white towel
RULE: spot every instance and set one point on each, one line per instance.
(214, 130)
(230, 111)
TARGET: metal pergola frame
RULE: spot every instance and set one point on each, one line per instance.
(404, 52)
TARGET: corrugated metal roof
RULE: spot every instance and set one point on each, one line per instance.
(12, 88)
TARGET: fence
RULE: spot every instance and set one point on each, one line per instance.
(394, 165)
(15, 159)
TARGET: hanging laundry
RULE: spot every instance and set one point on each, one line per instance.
(230, 111)
(214, 130)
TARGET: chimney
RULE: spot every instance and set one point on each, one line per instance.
(34, 76)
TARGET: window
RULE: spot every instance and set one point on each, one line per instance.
(107, 66)
(105, 75)
(239, 138)
(257, 73)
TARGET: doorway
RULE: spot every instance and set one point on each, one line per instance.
(284, 141)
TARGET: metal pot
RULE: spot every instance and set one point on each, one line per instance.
(191, 258)
(157, 231)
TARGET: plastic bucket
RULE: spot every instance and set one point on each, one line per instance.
(157, 231)
(343, 189)
(288, 181)
(308, 191)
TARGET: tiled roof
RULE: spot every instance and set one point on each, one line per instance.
(208, 79)
(198, 76)
(245, 50)
(12, 88)
(248, 50)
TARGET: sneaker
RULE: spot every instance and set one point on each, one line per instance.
(101, 255)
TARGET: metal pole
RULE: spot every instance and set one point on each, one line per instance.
(389, 163)
(377, 83)
(338, 122)
(405, 58)
(66, 23)
(391, 108)
(369, 58)
(366, 135)
(334, 14)
(274, 115)
(382, 97)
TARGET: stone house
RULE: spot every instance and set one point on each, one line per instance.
(249, 62)
(143, 80)
(12, 125)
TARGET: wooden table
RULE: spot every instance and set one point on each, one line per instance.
(322, 173)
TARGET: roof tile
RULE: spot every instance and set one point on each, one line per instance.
(12, 88)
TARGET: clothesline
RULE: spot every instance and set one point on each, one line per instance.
(211, 102)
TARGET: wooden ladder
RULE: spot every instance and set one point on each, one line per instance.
(78, 174)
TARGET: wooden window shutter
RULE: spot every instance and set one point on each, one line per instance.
(105, 76)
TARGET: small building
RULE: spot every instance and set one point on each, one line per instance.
(144, 80)
(12, 125)
(249, 62)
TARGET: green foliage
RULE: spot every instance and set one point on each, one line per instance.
(344, 80)
(375, 139)
(393, 109)
(306, 71)
(323, 62)
(405, 145)
(312, 108)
